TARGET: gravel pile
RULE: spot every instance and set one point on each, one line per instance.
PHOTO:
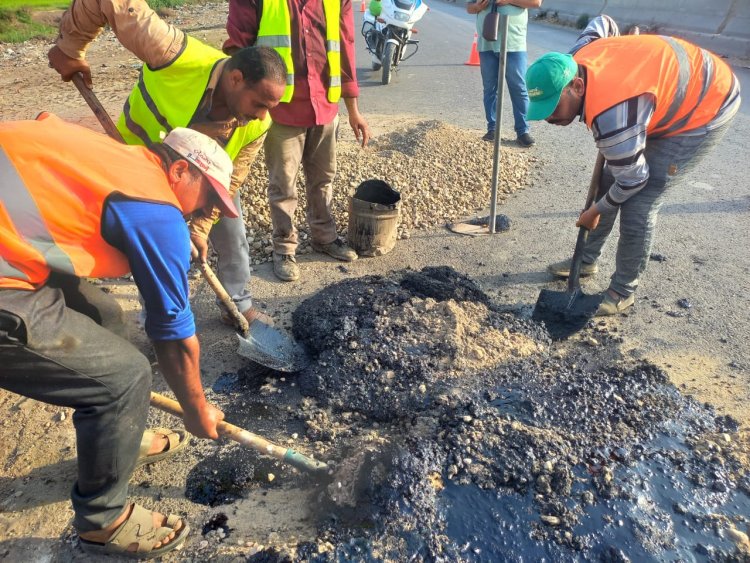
(443, 173)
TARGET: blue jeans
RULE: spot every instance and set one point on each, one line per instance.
(515, 78)
(669, 160)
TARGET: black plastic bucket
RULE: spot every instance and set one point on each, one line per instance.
(374, 211)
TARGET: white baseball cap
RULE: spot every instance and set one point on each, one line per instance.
(211, 160)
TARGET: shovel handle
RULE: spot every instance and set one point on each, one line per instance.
(101, 114)
(224, 297)
(246, 438)
(583, 233)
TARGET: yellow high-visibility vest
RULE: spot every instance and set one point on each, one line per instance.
(275, 30)
(167, 97)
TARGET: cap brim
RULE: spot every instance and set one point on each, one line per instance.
(542, 109)
(223, 200)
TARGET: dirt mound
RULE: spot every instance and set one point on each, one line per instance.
(382, 342)
(443, 173)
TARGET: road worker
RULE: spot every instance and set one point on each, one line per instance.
(656, 106)
(76, 204)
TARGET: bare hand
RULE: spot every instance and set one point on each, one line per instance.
(360, 128)
(202, 423)
(477, 6)
(589, 219)
(199, 248)
(68, 66)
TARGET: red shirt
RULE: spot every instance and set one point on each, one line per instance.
(309, 105)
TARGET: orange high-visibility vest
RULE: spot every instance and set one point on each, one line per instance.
(55, 178)
(689, 84)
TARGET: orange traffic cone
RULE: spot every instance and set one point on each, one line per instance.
(474, 55)
(362, 6)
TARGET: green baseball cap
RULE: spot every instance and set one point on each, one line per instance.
(545, 81)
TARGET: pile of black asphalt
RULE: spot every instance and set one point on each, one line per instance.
(572, 452)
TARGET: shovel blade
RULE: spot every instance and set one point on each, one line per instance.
(565, 313)
(272, 348)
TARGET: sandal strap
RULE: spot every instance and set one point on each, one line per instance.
(139, 529)
(173, 439)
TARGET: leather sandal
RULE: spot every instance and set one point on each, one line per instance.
(177, 441)
(139, 529)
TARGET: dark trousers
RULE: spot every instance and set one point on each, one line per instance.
(64, 345)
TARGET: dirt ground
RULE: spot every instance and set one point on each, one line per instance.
(37, 442)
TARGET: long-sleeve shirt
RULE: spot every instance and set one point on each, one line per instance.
(620, 132)
(309, 105)
(157, 43)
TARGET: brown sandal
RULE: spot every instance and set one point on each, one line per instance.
(177, 440)
(139, 529)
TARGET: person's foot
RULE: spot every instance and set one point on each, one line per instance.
(525, 140)
(133, 528)
(337, 249)
(158, 444)
(489, 136)
(285, 267)
(562, 269)
(252, 314)
(614, 304)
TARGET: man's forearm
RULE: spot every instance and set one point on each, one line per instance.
(139, 29)
(179, 362)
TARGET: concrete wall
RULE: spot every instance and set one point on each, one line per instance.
(720, 25)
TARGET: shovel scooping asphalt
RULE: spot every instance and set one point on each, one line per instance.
(566, 312)
(237, 434)
(259, 342)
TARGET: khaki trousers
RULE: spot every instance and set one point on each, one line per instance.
(285, 149)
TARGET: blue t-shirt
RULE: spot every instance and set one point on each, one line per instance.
(155, 240)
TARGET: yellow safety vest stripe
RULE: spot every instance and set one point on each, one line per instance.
(275, 30)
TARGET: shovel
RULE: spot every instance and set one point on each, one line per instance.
(567, 312)
(237, 434)
(259, 342)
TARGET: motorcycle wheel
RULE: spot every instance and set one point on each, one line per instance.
(388, 56)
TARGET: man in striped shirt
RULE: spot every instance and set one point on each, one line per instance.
(655, 105)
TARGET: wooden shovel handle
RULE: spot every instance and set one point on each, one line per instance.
(583, 232)
(246, 438)
(101, 114)
(224, 297)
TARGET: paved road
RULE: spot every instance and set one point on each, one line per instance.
(435, 81)
(703, 228)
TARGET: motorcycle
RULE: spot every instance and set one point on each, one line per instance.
(387, 26)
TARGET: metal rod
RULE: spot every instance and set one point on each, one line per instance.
(498, 119)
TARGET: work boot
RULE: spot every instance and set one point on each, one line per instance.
(525, 140)
(614, 305)
(337, 249)
(285, 267)
(562, 269)
(252, 314)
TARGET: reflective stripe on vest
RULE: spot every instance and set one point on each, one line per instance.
(275, 30)
(689, 84)
(28, 220)
(55, 178)
(168, 97)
